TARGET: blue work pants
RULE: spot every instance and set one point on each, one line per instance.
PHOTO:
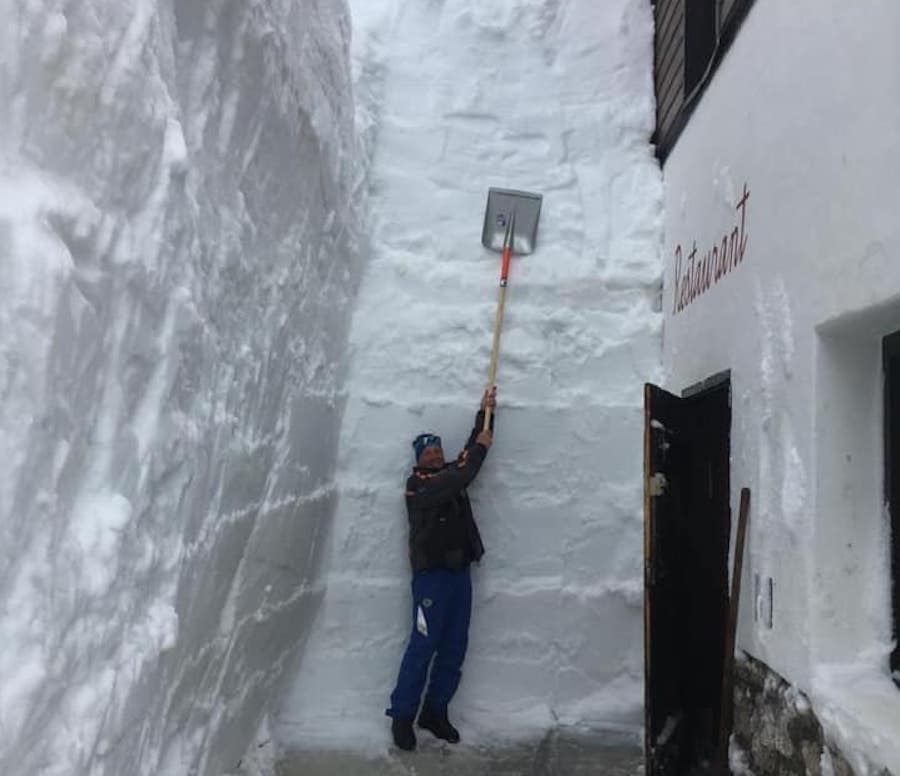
(442, 607)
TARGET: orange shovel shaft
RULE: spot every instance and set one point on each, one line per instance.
(504, 270)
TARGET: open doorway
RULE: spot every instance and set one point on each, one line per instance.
(687, 530)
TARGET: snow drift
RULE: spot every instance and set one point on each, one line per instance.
(177, 270)
(178, 251)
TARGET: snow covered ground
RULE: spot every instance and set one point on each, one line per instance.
(568, 753)
(553, 96)
(176, 270)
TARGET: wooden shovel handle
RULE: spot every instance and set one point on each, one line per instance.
(498, 326)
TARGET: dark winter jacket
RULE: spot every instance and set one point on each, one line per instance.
(442, 529)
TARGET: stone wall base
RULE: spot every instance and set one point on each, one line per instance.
(776, 731)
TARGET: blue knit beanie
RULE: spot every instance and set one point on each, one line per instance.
(425, 440)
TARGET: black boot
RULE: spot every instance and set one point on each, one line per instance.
(438, 724)
(404, 737)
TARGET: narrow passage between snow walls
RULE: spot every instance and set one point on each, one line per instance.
(451, 98)
(201, 500)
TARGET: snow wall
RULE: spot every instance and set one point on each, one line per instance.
(453, 97)
(799, 321)
(176, 249)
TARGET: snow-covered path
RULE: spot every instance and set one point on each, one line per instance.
(551, 755)
(452, 98)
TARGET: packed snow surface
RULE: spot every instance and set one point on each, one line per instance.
(175, 280)
(856, 703)
(553, 96)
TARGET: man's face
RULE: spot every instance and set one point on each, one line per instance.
(432, 457)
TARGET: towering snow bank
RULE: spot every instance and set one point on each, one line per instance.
(176, 252)
(548, 95)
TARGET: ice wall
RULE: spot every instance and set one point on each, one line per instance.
(552, 96)
(175, 278)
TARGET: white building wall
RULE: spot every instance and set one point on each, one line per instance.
(803, 112)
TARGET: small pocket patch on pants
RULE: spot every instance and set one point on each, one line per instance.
(421, 624)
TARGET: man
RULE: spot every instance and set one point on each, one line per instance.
(443, 541)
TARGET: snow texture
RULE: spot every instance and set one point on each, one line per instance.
(180, 192)
(177, 275)
(552, 96)
(856, 703)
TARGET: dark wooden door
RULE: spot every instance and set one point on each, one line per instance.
(687, 525)
(891, 352)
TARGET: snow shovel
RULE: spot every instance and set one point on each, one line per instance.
(510, 226)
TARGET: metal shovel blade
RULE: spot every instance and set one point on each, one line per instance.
(501, 205)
